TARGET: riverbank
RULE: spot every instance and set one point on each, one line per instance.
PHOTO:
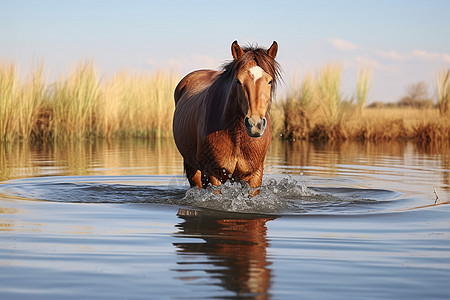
(87, 104)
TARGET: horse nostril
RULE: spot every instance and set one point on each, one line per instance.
(261, 124)
(247, 122)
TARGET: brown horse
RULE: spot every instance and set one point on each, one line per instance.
(221, 123)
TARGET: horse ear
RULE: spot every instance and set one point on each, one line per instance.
(272, 51)
(236, 50)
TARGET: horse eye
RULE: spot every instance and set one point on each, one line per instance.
(270, 82)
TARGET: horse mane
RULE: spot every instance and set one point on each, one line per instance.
(262, 59)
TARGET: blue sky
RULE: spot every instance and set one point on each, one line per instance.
(402, 41)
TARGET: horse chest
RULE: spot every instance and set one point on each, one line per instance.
(238, 159)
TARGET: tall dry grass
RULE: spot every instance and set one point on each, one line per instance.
(424, 125)
(8, 91)
(315, 108)
(74, 101)
(20, 101)
(443, 91)
(84, 104)
(137, 105)
(363, 86)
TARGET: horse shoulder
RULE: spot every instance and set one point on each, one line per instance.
(194, 83)
(190, 105)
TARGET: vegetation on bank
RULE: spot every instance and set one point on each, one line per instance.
(315, 108)
(85, 104)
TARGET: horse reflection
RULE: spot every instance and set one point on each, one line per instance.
(235, 247)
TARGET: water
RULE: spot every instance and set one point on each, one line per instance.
(116, 220)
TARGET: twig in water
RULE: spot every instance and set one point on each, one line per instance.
(436, 201)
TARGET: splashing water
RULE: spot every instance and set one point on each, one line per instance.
(237, 196)
(284, 196)
(288, 196)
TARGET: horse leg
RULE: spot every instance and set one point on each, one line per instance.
(214, 181)
(194, 176)
(211, 180)
(254, 181)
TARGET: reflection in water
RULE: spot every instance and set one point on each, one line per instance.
(99, 157)
(68, 250)
(327, 159)
(7, 224)
(161, 157)
(443, 150)
(235, 249)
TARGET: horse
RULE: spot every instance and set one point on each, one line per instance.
(221, 123)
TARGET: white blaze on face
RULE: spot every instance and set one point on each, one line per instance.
(256, 72)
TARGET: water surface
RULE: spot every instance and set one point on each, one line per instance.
(117, 220)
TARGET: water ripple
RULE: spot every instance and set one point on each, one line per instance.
(281, 196)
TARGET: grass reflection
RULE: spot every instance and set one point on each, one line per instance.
(138, 156)
(326, 159)
(100, 157)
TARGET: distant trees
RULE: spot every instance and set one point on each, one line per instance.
(417, 96)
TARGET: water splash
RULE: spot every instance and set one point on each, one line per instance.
(273, 196)
(288, 196)
(280, 196)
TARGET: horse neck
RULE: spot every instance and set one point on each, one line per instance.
(232, 114)
(222, 107)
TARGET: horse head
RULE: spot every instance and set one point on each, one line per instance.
(254, 86)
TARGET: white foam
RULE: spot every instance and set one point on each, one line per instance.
(273, 198)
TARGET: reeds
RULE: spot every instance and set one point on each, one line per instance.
(8, 98)
(20, 101)
(363, 86)
(74, 101)
(137, 105)
(443, 91)
(317, 109)
(84, 104)
(87, 104)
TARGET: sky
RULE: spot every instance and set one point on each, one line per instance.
(402, 42)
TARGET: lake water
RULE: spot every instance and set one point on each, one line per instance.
(116, 220)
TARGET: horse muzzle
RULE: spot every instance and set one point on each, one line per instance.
(255, 126)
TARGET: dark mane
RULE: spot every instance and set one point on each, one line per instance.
(262, 59)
